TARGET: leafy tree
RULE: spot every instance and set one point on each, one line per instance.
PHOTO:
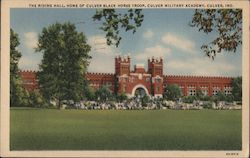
(229, 98)
(90, 93)
(121, 97)
(228, 24)
(17, 92)
(237, 88)
(189, 99)
(103, 93)
(36, 99)
(199, 94)
(15, 55)
(64, 63)
(206, 98)
(112, 22)
(221, 96)
(172, 92)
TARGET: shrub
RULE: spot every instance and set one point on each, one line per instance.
(36, 99)
(207, 105)
(189, 99)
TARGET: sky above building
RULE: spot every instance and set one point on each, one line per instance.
(164, 33)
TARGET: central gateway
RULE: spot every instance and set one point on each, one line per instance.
(139, 81)
(140, 90)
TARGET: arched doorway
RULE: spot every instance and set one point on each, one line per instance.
(140, 90)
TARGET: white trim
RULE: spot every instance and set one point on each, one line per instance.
(139, 66)
(139, 86)
(147, 74)
(143, 74)
(129, 95)
(158, 96)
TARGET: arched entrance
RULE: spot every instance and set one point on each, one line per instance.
(139, 90)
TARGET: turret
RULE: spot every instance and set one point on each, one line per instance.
(122, 65)
(155, 66)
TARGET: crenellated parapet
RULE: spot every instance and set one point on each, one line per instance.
(158, 60)
(210, 81)
(28, 71)
(125, 58)
(155, 66)
(31, 74)
(29, 79)
(96, 74)
(196, 77)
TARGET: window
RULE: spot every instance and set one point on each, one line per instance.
(216, 89)
(215, 92)
(191, 92)
(28, 82)
(158, 80)
(227, 90)
(204, 92)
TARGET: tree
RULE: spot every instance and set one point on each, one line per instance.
(189, 99)
(199, 94)
(112, 22)
(229, 98)
(228, 24)
(121, 97)
(172, 92)
(103, 93)
(144, 100)
(237, 88)
(221, 96)
(65, 59)
(17, 92)
(36, 99)
(89, 93)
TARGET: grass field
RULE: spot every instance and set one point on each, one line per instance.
(48, 129)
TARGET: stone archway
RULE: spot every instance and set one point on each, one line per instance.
(140, 89)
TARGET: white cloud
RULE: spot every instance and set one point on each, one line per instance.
(30, 39)
(28, 63)
(148, 34)
(156, 51)
(179, 42)
(103, 56)
(200, 66)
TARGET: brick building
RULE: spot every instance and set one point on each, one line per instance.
(140, 81)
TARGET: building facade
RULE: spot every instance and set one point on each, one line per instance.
(140, 81)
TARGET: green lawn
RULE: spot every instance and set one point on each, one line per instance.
(51, 129)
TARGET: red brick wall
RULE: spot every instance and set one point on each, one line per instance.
(122, 65)
(198, 82)
(96, 80)
(29, 80)
(153, 80)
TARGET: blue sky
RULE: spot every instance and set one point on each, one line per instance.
(164, 33)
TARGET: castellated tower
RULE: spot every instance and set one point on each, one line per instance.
(122, 65)
(155, 68)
